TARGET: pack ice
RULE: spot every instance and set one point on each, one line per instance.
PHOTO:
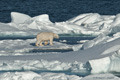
(85, 24)
(99, 55)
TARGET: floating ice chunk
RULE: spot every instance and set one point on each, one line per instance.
(81, 68)
(70, 28)
(108, 17)
(83, 41)
(19, 18)
(34, 25)
(92, 18)
(117, 34)
(115, 29)
(88, 44)
(8, 31)
(86, 18)
(44, 18)
(78, 17)
(102, 38)
(7, 28)
(116, 21)
(104, 27)
(77, 47)
(115, 62)
(100, 65)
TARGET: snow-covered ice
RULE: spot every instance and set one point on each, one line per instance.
(34, 76)
(28, 75)
(87, 24)
(101, 77)
(21, 47)
(18, 59)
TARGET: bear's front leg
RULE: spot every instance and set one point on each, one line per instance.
(51, 41)
(37, 43)
(41, 43)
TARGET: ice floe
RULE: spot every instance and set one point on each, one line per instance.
(100, 55)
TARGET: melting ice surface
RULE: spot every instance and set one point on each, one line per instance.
(92, 56)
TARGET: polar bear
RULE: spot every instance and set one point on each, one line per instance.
(45, 37)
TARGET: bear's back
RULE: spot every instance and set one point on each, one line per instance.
(45, 35)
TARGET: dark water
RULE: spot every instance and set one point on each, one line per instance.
(74, 40)
(58, 10)
(50, 50)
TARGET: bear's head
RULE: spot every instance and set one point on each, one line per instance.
(56, 36)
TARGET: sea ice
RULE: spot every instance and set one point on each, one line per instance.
(19, 18)
(86, 24)
(85, 18)
(100, 65)
(100, 55)
(13, 47)
(101, 77)
(28, 75)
